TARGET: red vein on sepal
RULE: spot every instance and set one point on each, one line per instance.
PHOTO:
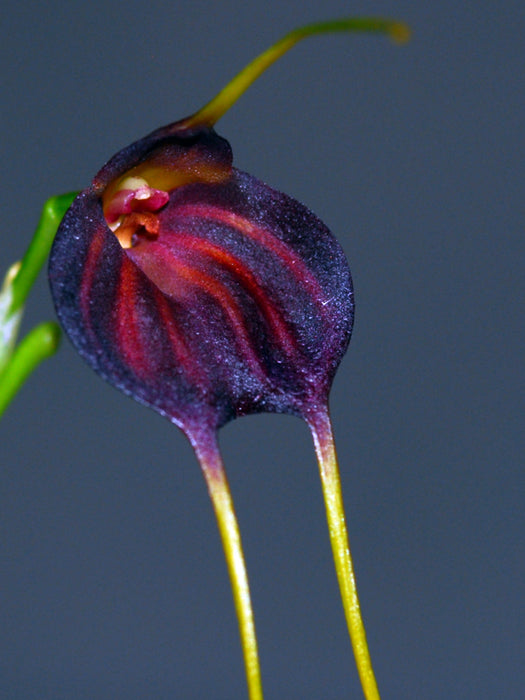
(183, 277)
(89, 270)
(264, 237)
(182, 353)
(127, 323)
(232, 309)
(247, 280)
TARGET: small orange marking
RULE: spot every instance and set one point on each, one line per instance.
(133, 224)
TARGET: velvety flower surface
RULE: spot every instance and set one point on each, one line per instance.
(205, 294)
(198, 289)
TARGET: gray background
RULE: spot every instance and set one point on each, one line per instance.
(112, 578)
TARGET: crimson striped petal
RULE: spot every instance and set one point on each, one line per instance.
(199, 290)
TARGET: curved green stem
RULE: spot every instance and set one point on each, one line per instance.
(36, 255)
(321, 428)
(40, 343)
(221, 103)
(207, 451)
(17, 363)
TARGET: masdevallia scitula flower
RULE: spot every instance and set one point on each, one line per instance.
(206, 295)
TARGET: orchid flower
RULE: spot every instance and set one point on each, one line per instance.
(207, 295)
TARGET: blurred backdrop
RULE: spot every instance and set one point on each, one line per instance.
(112, 581)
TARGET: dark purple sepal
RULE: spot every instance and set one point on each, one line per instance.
(167, 147)
(232, 299)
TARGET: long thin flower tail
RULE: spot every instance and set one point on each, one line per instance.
(321, 428)
(208, 454)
